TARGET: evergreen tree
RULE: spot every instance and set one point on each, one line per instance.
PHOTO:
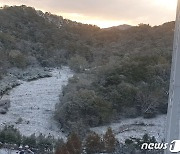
(93, 143)
(62, 150)
(109, 141)
(74, 144)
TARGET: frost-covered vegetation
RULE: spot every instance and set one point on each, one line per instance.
(128, 77)
(10, 137)
(106, 144)
(91, 143)
(119, 73)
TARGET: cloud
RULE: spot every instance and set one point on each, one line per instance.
(132, 11)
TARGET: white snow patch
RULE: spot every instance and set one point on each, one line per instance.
(8, 151)
(34, 103)
(136, 127)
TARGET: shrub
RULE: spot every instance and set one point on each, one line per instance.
(77, 63)
(17, 59)
(84, 106)
(93, 143)
(30, 141)
(45, 143)
(10, 135)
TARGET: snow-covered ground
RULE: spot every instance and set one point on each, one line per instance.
(32, 110)
(33, 104)
(136, 127)
(8, 151)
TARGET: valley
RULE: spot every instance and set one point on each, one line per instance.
(32, 104)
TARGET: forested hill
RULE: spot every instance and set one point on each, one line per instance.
(47, 38)
(50, 40)
(118, 72)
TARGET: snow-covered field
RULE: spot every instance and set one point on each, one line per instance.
(33, 104)
(32, 109)
(8, 151)
(136, 127)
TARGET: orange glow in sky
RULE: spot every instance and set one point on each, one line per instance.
(105, 13)
(93, 20)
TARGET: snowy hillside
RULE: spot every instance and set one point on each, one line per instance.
(33, 104)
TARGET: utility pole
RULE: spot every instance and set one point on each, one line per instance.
(173, 116)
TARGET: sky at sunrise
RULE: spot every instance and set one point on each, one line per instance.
(106, 13)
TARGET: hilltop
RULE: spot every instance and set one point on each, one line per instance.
(120, 27)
